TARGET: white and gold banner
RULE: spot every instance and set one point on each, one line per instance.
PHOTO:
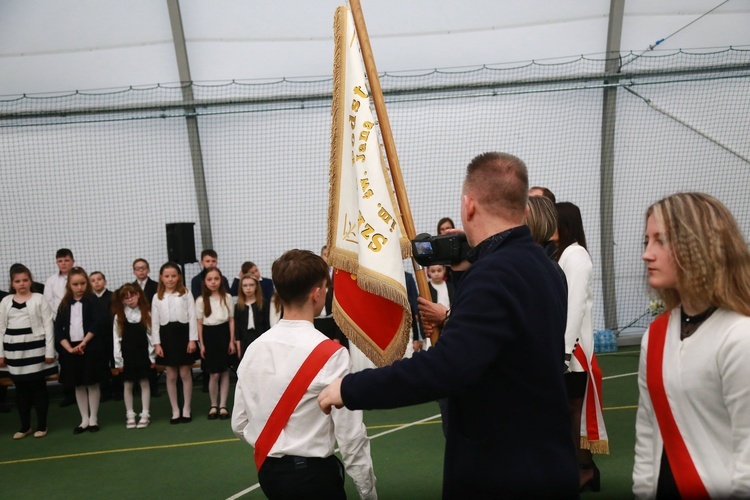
(366, 246)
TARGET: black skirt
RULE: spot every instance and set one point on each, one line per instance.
(136, 363)
(575, 384)
(216, 342)
(175, 337)
(86, 369)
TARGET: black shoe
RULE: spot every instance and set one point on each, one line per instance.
(93, 428)
(594, 484)
(67, 402)
(213, 413)
(186, 420)
(80, 430)
(176, 420)
(223, 413)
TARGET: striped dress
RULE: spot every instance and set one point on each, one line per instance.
(23, 348)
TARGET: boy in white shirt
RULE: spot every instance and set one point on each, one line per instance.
(54, 288)
(297, 460)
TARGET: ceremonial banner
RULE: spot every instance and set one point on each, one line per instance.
(366, 247)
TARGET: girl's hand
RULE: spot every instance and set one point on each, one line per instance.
(203, 352)
(158, 350)
(120, 369)
(191, 347)
(2, 362)
(153, 366)
(231, 348)
(417, 344)
(49, 361)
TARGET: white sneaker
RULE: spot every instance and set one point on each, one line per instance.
(130, 420)
(144, 421)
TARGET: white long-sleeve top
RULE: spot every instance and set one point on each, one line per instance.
(173, 307)
(221, 312)
(268, 366)
(132, 315)
(707, 381)
(54, 291)
(576, 263)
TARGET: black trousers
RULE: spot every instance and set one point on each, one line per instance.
(292, 477)
(32, 394)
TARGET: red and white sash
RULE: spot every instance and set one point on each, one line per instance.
(683, 468)
(593, 432)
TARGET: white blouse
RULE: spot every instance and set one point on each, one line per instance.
(173, 307)
(220, 311)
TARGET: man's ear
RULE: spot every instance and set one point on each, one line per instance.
(526, 212)
(470, 206)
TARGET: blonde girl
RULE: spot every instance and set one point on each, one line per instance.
(174, 333)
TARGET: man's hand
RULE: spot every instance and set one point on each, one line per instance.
(431, 312)
(331, 396)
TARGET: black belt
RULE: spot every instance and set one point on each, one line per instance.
(293, 462)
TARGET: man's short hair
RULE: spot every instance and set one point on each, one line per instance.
(210, 253)
(296, 273)
(63, 252)
(500, 182)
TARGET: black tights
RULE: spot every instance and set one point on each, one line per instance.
(32, 393)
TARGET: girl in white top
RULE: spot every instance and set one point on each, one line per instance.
(575, 262)
(133, 350)
(27, 348)
(174, 333)
(698, 262)
(214, 310)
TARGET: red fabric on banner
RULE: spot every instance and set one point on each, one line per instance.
(592, 409)
(378, 317)
(683, 469)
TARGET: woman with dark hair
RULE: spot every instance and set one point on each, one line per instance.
(583, 378)
(444, 224)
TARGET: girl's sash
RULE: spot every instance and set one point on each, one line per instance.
(593, 432)
(684, 471)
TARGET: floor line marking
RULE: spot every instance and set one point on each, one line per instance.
(620, 375)
(121, 450)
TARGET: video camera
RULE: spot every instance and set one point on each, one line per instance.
(445, 249)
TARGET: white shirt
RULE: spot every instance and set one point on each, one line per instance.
(442, 294)
(576, 263)
(706, 380)
(54, 291)
(268, 366)
(76, 322)
(173, 307)
(220, 312)
(132, 315)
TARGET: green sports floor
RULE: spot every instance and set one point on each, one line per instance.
(204, 460)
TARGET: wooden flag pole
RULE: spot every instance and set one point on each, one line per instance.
(387, 135)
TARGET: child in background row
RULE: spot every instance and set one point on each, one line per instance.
(102, 300)
(214, 310)
(82, 354)
(133, 349)
(441, 291)
(27, 348)
(250, 314)
(174, 334)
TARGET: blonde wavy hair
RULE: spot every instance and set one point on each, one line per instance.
(711, 255)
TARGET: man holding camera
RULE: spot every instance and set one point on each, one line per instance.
(498, 360)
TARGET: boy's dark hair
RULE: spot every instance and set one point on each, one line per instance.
(246, 266)
(98, 272)
(64, 252)
(546, 193)
(296, 273)
(210, 253)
